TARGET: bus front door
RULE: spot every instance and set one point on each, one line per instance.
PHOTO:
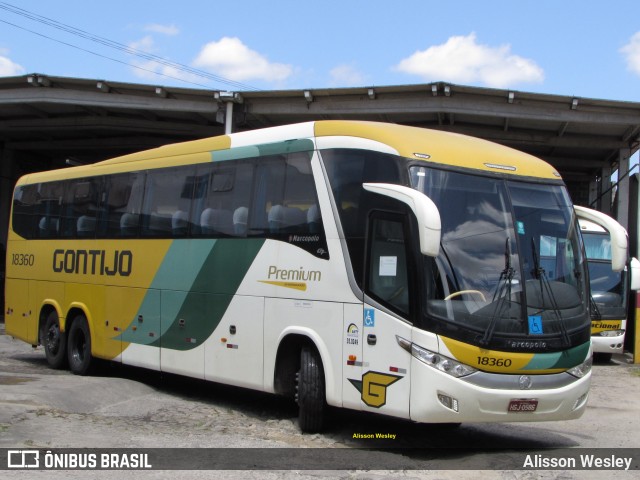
(385, 379)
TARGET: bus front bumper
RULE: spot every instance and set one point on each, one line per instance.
(608, 344)
(437, 397)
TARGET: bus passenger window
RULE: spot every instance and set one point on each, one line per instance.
(25, 216)
(121, 213)
(222, 192)
(81, 207)
(49, 208)
(285, 193)
(167, 202)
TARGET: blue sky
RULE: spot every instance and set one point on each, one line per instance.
(582, 48)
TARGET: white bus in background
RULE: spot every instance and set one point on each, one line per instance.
(609, 284)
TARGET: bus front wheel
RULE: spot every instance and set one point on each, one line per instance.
(55, 342)
(310, 391)
(79, 346)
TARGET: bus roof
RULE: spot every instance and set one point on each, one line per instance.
(444, 148)
(434, 146)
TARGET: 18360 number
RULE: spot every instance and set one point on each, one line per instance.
(23, 259)
(494, 362)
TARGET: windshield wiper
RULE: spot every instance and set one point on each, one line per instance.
(541, 275)
(595, 311)
(502, 295)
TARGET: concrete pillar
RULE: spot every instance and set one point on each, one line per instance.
(622, 196)
(228, 124)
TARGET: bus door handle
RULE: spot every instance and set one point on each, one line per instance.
(371, 339)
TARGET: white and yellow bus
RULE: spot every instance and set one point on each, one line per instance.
(610, 284)
(419, 274)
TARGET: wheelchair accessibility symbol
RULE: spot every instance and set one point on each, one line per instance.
(535, 325)
(369, 317)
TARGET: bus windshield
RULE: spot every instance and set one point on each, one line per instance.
(510, 264)
(608, 288)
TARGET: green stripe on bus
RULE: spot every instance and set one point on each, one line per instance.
(204, 305)
(171, 275)
(192, 306)
(566, 359)
(251, 151)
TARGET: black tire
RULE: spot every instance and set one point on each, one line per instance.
(54, 342)
(310, 391)
(79, 346)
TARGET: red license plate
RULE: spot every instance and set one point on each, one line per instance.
(523, 405)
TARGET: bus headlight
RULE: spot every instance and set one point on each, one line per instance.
(582, 369)
(610, 333)
(440, 362)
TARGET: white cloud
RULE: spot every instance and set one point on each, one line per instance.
(346, 76)
(631, 51)
(462, 60)
(170, 30)
(8, 67)
(232, 59)
(145, 44)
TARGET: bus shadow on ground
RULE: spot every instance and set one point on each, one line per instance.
(349, 427)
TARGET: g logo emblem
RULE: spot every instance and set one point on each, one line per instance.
(373, 387)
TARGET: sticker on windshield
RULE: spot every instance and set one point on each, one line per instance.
(388, 266)
(520, 228)
(535, 325)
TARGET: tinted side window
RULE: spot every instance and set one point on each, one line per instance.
(272, 196)
(120, 215)
(347, 171)
(285, 203)
(167, 202)
(222, 198)
(37, 210)
(25, 215)
(81, 207)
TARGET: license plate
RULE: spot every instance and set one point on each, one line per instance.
(523, 405)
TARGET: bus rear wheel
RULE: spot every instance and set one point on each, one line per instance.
(79, 346)
(55, 342)
(310, 391)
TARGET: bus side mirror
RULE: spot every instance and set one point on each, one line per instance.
(619, 240)
(634, 272)
(424, 209)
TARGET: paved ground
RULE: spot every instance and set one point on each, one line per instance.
(127, 407)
